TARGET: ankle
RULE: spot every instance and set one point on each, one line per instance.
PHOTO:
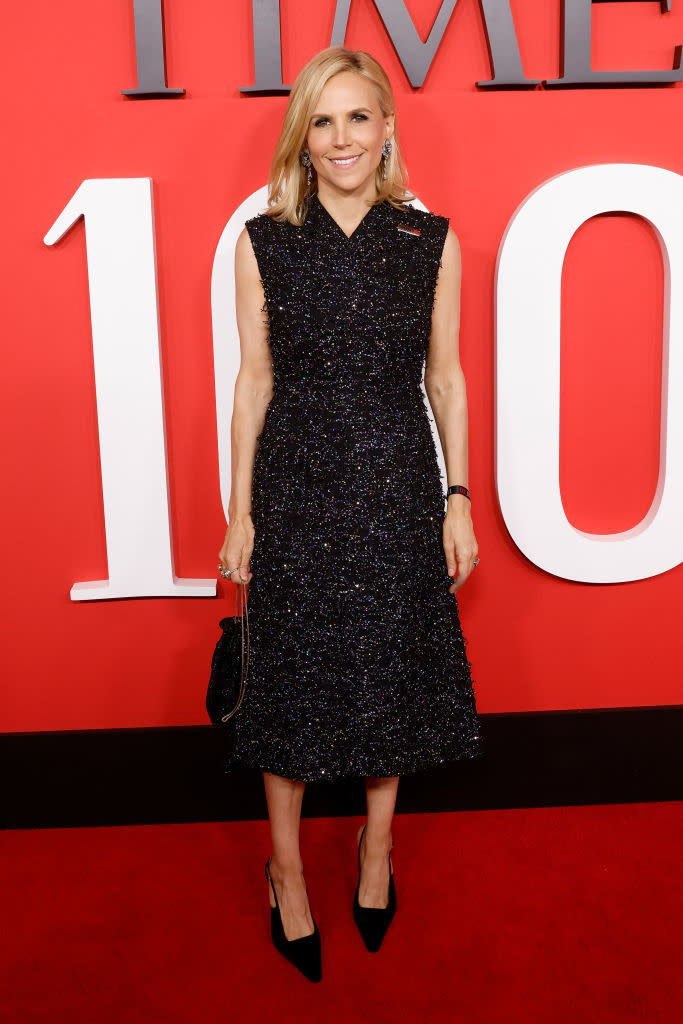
(285, 870)
(377, 844)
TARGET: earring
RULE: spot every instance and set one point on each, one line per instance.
(305, 158)
(386, 150)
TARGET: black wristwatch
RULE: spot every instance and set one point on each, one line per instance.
(457, 489)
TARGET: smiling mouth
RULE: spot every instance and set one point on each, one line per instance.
(347, 161)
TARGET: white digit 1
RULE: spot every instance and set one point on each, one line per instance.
(528, 283)
(120, 250)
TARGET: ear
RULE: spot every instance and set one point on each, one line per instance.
(389, 122)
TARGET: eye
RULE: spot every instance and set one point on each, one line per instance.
(323, 120)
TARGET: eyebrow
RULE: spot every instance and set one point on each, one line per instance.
(356, 110)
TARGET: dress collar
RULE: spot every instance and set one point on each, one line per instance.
(324, 218)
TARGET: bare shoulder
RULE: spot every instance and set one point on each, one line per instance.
(449, 273)
(451, 249)
(243, 242)
(245, 257)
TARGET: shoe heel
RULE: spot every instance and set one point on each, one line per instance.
(303, 953)
(372, 922)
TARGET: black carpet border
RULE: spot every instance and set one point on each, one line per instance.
(106, 777)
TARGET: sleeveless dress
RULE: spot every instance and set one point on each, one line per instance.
(357, 661)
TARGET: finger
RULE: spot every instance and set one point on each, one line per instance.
(465, 559)
(459, 580)
(451, 560)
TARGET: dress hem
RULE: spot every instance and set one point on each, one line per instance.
(367, 772)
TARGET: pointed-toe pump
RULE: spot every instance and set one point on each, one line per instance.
(372, 922)
(304, 952)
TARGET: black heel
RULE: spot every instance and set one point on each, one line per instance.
(304, 952)
(372, 922)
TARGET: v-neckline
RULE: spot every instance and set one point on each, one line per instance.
(326, 212)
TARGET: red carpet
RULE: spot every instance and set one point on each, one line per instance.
(542, 914)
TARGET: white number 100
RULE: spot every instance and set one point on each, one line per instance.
(121, 258)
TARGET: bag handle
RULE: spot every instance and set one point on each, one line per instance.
(244, 617)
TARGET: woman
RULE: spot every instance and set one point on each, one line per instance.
(357, 663)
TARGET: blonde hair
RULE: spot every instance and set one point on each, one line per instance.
(288, 188)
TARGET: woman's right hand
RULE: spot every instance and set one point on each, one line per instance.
(237, 548)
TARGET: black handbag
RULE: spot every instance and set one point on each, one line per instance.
(229, 664)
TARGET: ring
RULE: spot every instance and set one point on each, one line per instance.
(225, 573)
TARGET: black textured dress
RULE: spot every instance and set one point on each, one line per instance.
(357, 661)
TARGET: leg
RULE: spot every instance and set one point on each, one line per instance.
(374, 881)
(284, 797)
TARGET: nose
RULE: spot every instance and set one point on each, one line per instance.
(340, 136)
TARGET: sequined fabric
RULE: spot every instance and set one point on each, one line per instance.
(357, 664)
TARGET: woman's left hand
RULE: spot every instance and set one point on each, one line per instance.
(460, 546)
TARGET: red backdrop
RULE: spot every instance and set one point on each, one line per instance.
(536, 642)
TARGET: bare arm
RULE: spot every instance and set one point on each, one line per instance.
(253, 392)
(447, 393)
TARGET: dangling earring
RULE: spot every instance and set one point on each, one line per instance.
(386, 150)
(305, 158)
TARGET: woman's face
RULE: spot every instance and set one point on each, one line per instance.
(346, 133)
